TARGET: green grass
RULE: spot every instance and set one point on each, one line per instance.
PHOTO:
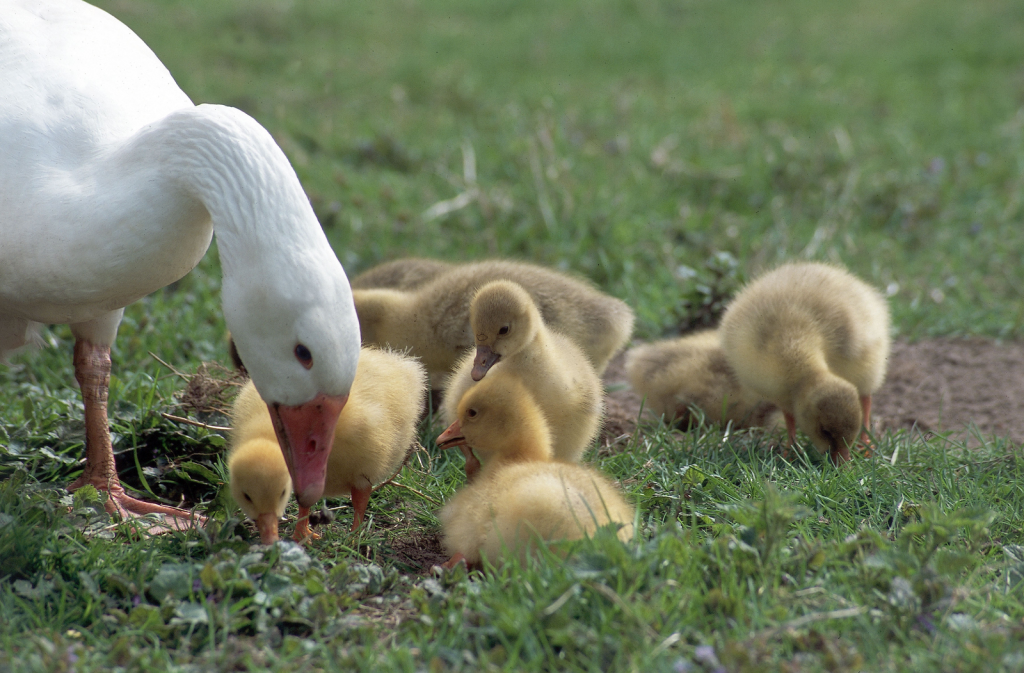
(667, 151)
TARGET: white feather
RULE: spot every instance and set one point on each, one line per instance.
(112, 184)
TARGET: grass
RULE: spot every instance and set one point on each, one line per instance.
(667, 151)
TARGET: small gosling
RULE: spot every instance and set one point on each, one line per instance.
(814, 340)
(258, 475)
(375, 430)
(431, 318)
(521, 495)
(371, 440)
(676, 375)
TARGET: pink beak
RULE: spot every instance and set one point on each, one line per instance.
(306, 435)
(452, 436)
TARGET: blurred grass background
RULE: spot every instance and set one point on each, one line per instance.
(628, 139)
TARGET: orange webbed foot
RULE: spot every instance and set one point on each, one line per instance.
(131, 509)
(303, 533)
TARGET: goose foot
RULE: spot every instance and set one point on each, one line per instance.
(129, 509)
(302, 530)
(92, 370)
(454, 561)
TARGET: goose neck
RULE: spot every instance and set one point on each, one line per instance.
(223, 159)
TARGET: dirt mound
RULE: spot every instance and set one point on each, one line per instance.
(417, 553)
(938, 385)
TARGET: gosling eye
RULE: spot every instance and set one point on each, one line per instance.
(471, 413)
(283, 492)
(503, 330)
(303, 355)
(247, 497)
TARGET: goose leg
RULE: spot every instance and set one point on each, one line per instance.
(302, 530)
(791, 429)
(92, 370)
(790, 426)
(454, 561)
(865, 405)
(360, 499)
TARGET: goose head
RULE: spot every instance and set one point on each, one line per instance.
(504, 320)
(500, 420)
(300, 347)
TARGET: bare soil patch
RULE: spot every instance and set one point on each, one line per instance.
(416, 552)
(959, 386)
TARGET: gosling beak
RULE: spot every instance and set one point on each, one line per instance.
(267, 525)
(839, 454)
(306, 435)
(451, 437)
(485, 359)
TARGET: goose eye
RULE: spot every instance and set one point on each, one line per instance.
(503, 330)
(471, 413)
(303, 355)
(247, 497)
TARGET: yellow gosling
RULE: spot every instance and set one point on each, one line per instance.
(677, 375)
(814, 340)
(258, 475)
(521, 496)
(430, 317)
(375, 430)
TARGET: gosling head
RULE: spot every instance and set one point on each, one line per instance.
(500, 420)
(504, 320)
(831, 416)
(260, 484)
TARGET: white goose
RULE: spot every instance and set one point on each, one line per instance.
(112, 184)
